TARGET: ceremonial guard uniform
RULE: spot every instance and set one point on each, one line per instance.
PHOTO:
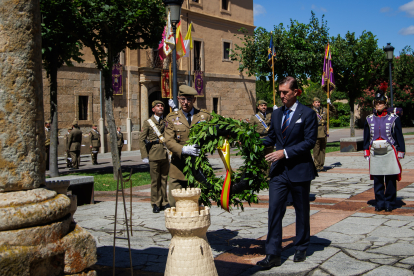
(383, 147)
(95, 143)
(152, 146)
(74, 145)
(68, 158)
(119, 141)
(176, 135)
(47, 143)
(320, 146)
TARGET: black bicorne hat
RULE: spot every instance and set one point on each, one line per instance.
(380, 96)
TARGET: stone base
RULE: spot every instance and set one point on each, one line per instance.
(72, 254)
(352, 144)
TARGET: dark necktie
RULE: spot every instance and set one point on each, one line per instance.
(286, 122)
(189, 119)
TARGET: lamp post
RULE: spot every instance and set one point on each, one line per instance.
(175, 12)
(389, 50)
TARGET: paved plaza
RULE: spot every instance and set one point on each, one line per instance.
(348, 236)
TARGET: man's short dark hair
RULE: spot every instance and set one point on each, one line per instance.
(293, 83)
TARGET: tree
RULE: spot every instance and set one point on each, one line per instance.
(403, 84)
(107, 28)
(58, 47)
(355, 61)
(299, 51)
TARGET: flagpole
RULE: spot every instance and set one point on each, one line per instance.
(273, 80)
(169, 80)
(328, 90)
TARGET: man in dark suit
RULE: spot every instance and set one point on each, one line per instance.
(294, 130)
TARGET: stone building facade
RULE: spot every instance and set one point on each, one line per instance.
(227, 90)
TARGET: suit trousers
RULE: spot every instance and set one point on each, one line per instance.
(75, 155)
(159, 174)
(175, 184)
(119, 152)
(319, 153)
(279, 187)
(388, 198)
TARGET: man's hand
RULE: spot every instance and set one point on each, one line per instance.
(171, 103)
(90, 146)
(145, 160)
(191, 150)
(274, 156)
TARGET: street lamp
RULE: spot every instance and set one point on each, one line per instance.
(175, 15)
(389, 50)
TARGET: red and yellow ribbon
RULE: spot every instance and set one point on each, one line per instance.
(224, 153)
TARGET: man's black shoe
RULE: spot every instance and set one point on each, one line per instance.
(318, 170)
(270, 261)
(289, 203)
(155, 209)
(300, 256)
(388, 209)
(165, 207)
(72, 169)
(378, 209)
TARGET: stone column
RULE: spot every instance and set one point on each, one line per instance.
(37, 236)
(22, 149)
(144, 102)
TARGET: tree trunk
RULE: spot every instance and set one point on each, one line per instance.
(53, 158)
(107, 73)
(352, 119)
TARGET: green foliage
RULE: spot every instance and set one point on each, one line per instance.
(299, 50)
(106, 181)
(251, 150)
(59, 46)
(343, 115)
(264, 91)
(311, 91)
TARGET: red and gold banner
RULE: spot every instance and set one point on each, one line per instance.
(224, 153)
(165, 83)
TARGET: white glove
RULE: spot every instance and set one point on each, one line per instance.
(191, 150)
(328, 101)
(401, 155)
(171, 103)
(366, 158)
(145, 160)
(274, 107)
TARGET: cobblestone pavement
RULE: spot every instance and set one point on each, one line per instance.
(348, 236)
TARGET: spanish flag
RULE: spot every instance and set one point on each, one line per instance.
(224, 153)
(180, 42)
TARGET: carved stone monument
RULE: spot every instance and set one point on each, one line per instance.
(36, 234)
(189, 252)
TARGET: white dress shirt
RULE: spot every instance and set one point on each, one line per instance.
(293, 109)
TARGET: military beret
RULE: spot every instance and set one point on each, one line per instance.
(154, 103)
(47, 122)
(316, 99)
(69, 128)
(75, 122)
(259, 102)
(185, 90)
(94, 125)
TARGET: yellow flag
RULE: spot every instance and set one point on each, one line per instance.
(224, 153)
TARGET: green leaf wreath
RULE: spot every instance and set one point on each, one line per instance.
(250, 148)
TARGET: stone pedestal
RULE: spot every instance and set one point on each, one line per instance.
(189, 252)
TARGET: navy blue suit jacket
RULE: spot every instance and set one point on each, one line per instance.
(300, 138)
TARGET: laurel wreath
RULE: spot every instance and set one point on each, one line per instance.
(250, 148)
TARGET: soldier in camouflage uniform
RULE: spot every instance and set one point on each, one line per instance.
(177, 129)
(95, 143)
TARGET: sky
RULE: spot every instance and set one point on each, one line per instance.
(390, 21)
